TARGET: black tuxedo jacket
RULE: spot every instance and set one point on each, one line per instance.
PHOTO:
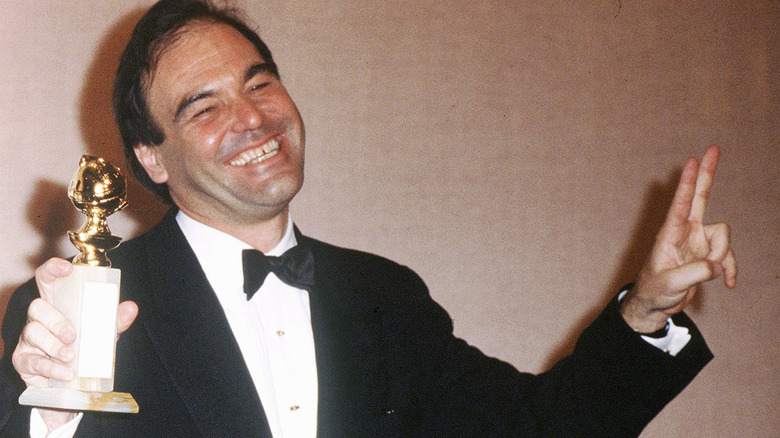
(388, 364)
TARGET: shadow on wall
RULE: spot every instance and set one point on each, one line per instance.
(657, 200)
(51, 215)
(98, 129)
(49, 211)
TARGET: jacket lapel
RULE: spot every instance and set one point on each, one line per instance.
(348, 338)
(193, 339)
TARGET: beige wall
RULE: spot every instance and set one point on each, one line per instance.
(518, 155)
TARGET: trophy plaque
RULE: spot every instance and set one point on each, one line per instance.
(89, 298)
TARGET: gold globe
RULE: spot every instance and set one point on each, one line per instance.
(98, 189)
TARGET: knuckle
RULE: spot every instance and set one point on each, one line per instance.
(36, 308)
(721, 228)
(42, 273)
(36, 335)
(40, 310)
(24, 361)
(30, 332)
(708, 270)
(41, 366)
(53, 347)
(40, 270)
(17, 358)
(59, 326)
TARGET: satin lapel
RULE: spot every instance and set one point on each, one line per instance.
(192, 337)
(349, 349)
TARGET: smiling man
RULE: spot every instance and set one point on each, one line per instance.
(232, 154)
(332, 342)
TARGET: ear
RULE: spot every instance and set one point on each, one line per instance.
(149, 159)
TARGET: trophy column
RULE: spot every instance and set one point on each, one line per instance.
(89, 298)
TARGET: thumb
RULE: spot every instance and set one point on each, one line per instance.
(126, 314)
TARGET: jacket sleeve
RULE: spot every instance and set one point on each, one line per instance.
(613, 383)
(14, 418)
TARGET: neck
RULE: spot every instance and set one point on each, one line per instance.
(261, 235)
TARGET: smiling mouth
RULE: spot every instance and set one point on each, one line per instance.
(257, 154)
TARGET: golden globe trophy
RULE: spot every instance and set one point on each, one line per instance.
(89, 298)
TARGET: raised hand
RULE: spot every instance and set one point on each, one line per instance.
(686, 252)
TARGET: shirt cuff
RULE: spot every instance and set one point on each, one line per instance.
(675, 340)
(38, 428)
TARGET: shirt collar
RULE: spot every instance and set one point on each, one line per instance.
(219, 253)
(200, 234)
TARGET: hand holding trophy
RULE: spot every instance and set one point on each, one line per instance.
(89, 298)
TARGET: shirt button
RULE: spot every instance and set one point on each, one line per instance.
(294, 408)
(280, 333)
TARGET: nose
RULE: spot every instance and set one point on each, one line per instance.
(246, 115)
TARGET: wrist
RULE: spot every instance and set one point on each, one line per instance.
(641, 318)
(55, 418)
(658, 334)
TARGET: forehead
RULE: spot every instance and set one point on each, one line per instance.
(197, 50)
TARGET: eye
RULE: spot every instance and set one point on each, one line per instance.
(259, 86)
(203, 111)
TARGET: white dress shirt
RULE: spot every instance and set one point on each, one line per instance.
(273, 329)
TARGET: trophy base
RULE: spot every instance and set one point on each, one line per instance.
(75, 400)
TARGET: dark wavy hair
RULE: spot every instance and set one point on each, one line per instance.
(155, 31)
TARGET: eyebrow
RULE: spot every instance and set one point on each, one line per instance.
(259, 68)
(189, 100)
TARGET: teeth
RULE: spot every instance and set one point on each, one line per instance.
(257, 155)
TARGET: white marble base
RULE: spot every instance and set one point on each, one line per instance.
(75, 400)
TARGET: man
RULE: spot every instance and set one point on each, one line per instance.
(357, 348)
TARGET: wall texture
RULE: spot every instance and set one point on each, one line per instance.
(519, 155)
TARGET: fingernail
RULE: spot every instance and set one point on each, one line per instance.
(69, 375)
(63, 373)
(67, 354)
(68, 336)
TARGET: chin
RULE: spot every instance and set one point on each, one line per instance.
(282, 192)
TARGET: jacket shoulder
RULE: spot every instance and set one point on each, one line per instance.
(359, 266)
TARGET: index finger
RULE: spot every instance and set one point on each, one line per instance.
(709, 162)
(680, 210)
(44, 313)
(48, 272)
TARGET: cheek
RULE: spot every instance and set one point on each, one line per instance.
(212, 141)
(282, 104)
(203, 139)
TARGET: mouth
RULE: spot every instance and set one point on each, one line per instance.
(257, 155)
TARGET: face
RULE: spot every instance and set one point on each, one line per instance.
(234, 140)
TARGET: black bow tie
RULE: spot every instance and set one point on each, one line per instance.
(295, 267)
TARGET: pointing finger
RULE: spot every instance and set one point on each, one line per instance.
(683, 195)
